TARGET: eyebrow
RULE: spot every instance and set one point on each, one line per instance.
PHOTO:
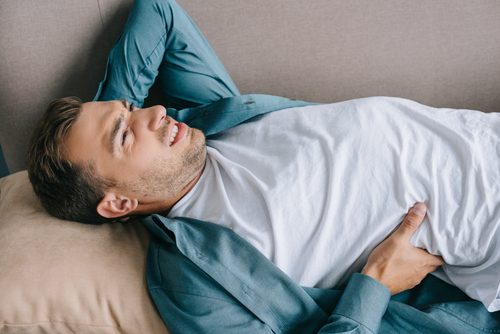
(116, 128)
(124, 102)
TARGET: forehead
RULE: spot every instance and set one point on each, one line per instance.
(89, 134)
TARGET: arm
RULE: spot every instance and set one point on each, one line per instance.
(160, 42)
(393, 267)
(228, 286)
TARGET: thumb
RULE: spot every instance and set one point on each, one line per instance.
(412, 221)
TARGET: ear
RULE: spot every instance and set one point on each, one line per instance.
(113, 206)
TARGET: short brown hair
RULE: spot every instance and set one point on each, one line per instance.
(67, 190)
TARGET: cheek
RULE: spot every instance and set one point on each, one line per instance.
(134, 165)
(152, 155)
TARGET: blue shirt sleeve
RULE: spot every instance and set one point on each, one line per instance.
(206, 279)
(361, 307)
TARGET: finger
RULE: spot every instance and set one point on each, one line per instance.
(432, 260)
(412, 221)
(436, 261)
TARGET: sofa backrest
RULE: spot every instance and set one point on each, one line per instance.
(50, 49)
(438, 52)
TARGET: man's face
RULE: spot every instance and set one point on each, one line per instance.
(146, 153)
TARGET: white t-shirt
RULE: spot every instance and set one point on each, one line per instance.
(316, 188)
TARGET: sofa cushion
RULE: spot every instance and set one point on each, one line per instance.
(64, 277)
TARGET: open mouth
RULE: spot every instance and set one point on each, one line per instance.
(174, 134)
(178, 133)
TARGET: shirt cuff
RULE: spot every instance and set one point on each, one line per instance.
(365, 301)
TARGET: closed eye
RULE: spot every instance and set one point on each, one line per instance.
(124, 136)
(118, 125)
(125, 133)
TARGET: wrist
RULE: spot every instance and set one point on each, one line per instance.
(373, 271)
(378, 273)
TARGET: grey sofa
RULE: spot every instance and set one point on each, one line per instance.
(441, 53)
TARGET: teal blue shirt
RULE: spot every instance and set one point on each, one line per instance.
(206, 279)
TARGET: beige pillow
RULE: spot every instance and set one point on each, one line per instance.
(63, 277)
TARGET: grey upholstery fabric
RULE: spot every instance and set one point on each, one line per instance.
(50, 49)
(442, 53)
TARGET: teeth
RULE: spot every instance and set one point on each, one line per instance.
(174, 134)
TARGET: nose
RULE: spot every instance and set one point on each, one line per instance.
(152, 117)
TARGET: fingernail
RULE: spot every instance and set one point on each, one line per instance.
(419, 209)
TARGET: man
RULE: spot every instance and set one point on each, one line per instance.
(100, 159)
